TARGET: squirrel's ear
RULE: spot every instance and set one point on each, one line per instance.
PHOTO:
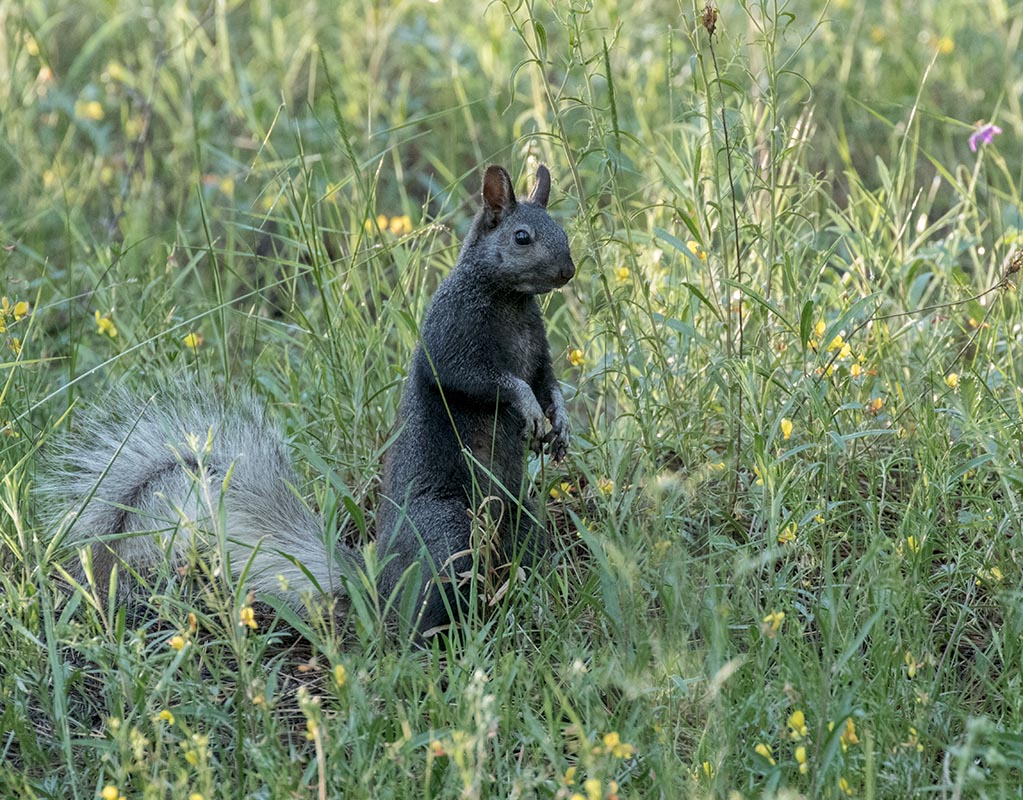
(498, 195)
(542, 188)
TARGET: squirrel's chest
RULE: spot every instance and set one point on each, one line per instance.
(518, 345)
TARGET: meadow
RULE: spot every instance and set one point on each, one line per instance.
(786, 540)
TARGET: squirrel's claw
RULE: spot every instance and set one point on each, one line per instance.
(533, 431)
(557, 441)
(557, 437)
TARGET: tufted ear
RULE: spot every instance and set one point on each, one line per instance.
(542, 188)
(498, 195)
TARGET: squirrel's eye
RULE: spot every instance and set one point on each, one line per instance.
(522, 236)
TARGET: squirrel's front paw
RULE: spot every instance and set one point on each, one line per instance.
(557, 438)
(533, 429)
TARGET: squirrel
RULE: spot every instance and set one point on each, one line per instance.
(479, 389)
(141, 484)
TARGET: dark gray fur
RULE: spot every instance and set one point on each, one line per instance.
(148, 480)
(480, 383)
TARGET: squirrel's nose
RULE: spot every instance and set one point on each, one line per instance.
(567, 270)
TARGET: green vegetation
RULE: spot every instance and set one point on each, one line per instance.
(788, 532)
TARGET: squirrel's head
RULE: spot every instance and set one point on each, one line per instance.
(523, 249)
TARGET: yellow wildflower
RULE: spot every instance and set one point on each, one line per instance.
(247, 616)
(875, 406)
(177, 642)
(105, 325)
(166, 716)
(952, 380)
(696, 250)
(622, 274)
(990, 576)
(605, 486)
(400, 226)
(772, 622)
(15, 345)
(20, 310)
(616, 747)
(624, 750)
(558, 492)
(116, 72)
(193, 341)
(914, 740)
(911, 665)
(89, 109)
(786, 427)
(946, 45)
(708, 769)
(111, 792)
(797, 725)
(856, 370)
(788, 533)
(849, 736)
(195, 796)
(340, 675)
(576, 357)
(311, 729)
(913, 544)
(845, 788)
(569, 778)
(764, 751)
(592, 787)
(801, 759)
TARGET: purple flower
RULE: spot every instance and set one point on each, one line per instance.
(984, 134)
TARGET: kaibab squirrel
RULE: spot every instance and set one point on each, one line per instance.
(147, 482)
(480, 386)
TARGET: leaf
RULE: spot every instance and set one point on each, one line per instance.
(971, 465)
(702, 298)
(355, 512)
(677, 325)
(541, 39)
(611, 96)
(806, 323)
(761, 301)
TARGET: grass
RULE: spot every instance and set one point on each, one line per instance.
(788, 532)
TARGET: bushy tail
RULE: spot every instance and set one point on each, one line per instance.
(143, 481)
